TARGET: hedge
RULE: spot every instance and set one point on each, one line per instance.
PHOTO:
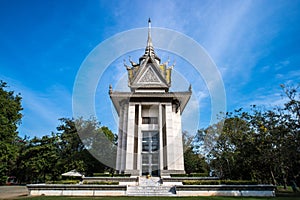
(101, 183)
(190, 175)
(219, 182)
(101, 175)
(110, 175)
(63, 182)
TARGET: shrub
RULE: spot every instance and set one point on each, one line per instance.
(101, 183)
(179, 175)
(121, 175)
(63, 182)
(238, 182)
(219, 182)
(201, 182)
(3, 180)
(101, 175)
(198, 175)
(190, 175)
(110, 175)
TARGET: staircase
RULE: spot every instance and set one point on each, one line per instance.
(151, 181)
(150, 187)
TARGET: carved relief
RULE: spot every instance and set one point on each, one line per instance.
(149, 77)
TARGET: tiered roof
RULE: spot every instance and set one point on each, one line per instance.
(149, 73)
(149, 80)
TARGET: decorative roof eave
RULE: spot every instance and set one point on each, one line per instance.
(118, 98)
(152, 86)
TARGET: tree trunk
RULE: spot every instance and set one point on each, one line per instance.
(285, 181)
(273, 178)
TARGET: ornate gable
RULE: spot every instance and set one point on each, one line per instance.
(149, 77)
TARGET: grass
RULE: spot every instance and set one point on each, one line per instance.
(281, 197)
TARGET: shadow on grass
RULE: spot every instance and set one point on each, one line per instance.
(281, 196)
(288, 194)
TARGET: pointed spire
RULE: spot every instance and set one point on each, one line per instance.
(149, 31)
(149, 23)
(149, 49)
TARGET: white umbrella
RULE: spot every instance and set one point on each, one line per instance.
(72, 173)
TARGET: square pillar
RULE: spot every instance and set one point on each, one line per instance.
(130, 137)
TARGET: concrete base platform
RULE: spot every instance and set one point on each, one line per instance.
(153, 186)
(76, 190)
(226, 190)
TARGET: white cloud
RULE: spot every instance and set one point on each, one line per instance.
(281, 64)
(41, 109)
(268, 101)
(265, 68)
(224, 31)
(292, 75)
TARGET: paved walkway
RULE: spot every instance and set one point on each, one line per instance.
(12, 192)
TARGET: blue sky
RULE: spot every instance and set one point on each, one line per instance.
(255, 45)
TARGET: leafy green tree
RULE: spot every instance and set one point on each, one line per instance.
(46, 158)
(70, 146)
(10, 118)
(262, 144)
(193, 161)
(100, 143)
(291, 143)
(84, 144)
(38, 160)
(225, 141)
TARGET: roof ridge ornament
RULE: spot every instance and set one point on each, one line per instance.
(149, 23)
(149, 41)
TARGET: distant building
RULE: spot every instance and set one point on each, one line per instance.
(150, 133)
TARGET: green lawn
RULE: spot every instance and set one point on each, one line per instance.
(280, 197)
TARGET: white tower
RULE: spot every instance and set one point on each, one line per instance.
(150, 134)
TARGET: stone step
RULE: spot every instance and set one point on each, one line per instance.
(152, 188)
(150, 191)
(151, 195)
(152, 181)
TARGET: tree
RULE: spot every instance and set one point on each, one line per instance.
(227, 142)
(100, 143)
(10, 118)
(291, 142)
(84, 144)
(262, 144)
(193, 162)
(46, 158)
(38, 158)
(70, 146)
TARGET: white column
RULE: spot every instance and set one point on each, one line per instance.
(170, 137)
(123, 128)
(120, 138)
(178, 146)
(161, 150)
(130, 137)
(139, 151)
